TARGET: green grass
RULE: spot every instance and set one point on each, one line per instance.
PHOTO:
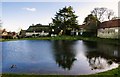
(115, 72)
(110, 41)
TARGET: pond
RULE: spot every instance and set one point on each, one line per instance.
(58, 57)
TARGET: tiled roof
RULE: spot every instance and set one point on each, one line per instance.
(110, 24)
(38, 28)
(82, 26)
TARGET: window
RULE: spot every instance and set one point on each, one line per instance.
(116, 30)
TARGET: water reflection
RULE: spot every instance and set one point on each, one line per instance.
(64, 53)
(59, 57)
(103, 55)
(0, 57)
(97, 60)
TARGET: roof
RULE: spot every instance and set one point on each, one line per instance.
(82, 26)
(22, 31)
(110, 24)
(38, 28)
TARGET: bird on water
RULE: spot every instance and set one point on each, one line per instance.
(13, 66)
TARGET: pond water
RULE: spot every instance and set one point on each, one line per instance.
(58, 57)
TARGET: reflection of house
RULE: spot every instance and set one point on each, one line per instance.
(38, 30)
(111, 51)
(102, 55)
(109, 29)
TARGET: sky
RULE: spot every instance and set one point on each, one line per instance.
(17, 14)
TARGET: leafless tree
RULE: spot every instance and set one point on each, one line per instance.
(99, 13)
(109, 14)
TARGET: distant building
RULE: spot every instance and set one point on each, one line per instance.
(109, 29)
(22, 33)
(37, 30)
(3, 33)
(82, 29)
(7, 35)
(75, 32)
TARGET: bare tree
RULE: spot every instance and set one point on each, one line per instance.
(109, 14)
(99, 13)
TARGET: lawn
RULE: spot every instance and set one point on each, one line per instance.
(109, 41)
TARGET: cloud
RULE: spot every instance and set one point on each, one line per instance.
(30, 9)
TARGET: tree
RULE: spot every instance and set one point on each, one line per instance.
(99, 13)
(109, 14)
(91, 23)
(102, 13)
(65, 19)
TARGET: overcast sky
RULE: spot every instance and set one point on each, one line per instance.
(17, 14)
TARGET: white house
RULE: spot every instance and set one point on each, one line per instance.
(37, 30)
(109, 29)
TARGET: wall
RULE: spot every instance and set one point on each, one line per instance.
(40, 33)
(109, 32)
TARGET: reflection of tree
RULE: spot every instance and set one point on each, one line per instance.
(95, 60)
(90, 45)
(64, 53)
(111, 52)
(104, 54)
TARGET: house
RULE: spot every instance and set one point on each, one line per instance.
(4, 33)
(22, 33)
(74, 32)
(109, 29)
(14, 35)
(82, 29)
(87, 31)
(37, 30)
(7, 35)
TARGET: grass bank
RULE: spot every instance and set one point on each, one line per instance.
(96, 39)
(111, 73)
